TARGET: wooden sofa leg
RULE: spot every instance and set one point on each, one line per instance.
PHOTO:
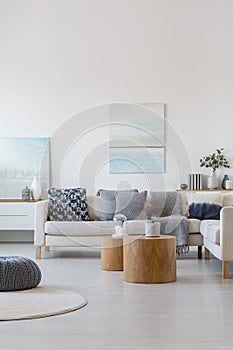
(207, 253)
(38, 252)
(46, 248)
(225, 269)
(199, 251)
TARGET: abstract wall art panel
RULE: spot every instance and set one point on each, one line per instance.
(20, 159)
(136, 138)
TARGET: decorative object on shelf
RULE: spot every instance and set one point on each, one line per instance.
(224, 180)
(212, 181)
(214, 161)
(36, 188)
(184, 186)
(228, 185)
(26, 194)
(195, 181)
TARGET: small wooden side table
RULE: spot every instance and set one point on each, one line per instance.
(112, 253)
(150, 259)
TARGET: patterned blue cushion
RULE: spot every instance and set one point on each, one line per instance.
(68, 204)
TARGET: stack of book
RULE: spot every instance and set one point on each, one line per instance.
(195, 181)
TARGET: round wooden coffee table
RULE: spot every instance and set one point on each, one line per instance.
(112, 253)
(149, 259)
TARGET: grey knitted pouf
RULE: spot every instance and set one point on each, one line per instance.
(18, 273)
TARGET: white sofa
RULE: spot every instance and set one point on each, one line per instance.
(87, 233)
(218, 238)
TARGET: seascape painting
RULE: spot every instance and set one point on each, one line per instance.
(136, 138)
(20, 159)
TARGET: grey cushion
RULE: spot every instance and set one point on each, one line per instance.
(68, 204)
(109, 202)
(161, 204)
(18, 273)
(131, 204)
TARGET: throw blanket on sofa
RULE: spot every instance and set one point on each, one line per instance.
(167, 208)
(175, 225)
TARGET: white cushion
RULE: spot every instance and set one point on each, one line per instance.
(194, 225)
(205, 226)
(209, 197)
(80, 228)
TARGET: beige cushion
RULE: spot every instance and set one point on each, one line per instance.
(185, 203)
(204, 227)
(80, 228)
(94, 205)
(194, 225)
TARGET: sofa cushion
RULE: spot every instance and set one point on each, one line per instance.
(131, 204)
(194, 225)
(109, 202)
(204, 211)
(161, 204)
(205, 226)
(68, 204)
(80, 228)
(94, 206)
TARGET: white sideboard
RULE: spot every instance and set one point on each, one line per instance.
(17, 215)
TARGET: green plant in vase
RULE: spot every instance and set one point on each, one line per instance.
(214, 161)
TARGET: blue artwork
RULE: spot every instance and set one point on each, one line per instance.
(136, 138)
(20, 159)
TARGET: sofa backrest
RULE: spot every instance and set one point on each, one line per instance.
(95, 205)
(227, 199)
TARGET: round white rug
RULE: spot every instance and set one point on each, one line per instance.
(38, 302)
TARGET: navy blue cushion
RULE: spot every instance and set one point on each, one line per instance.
(204, 211)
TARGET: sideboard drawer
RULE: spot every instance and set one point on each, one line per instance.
(13, 209)
(17, 215)
(15, 222)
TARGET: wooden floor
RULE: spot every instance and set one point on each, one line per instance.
(195, 312)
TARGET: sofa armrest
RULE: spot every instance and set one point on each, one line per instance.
(226, 233)
(41, 215)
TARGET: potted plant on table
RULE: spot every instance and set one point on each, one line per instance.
(214, 161)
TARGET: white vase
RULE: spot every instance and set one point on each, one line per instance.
(212, 181)
(36, 188)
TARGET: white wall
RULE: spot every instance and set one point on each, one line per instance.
(59, 57)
